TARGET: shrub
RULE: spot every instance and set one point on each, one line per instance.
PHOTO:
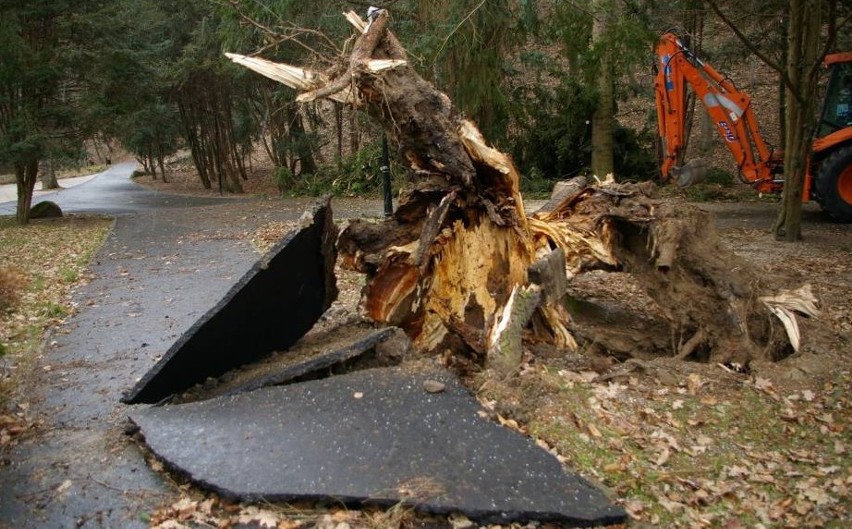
(719, 176)
(552, 135)
(535, 185)
(12, 282)
(358, 174)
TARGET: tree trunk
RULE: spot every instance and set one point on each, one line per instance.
(354, 133)
(26, 174)
(190, 131)
(708, 135)
(338, 126)
(805, 23)
(782, 88)
(695, 31)
(161, 159)
(234, 152)
(48, 175)
(603, 118)
(97, 149)
(301, 146)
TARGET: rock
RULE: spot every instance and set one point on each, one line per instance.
(46, 210)
(433, 386)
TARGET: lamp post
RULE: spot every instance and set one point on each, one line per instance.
(386, 180)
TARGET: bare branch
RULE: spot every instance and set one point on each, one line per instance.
(829, 41)
(460, 24)
(752, 48)
(295, 32)
(845, 21)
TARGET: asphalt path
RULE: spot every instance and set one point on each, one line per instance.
(167, 260)
(112, 192)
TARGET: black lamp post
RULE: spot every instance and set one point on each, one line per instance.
(386, 180)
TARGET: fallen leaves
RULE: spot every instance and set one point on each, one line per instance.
(12, 281)
(714, 449)
(262, 517)
(212, 512)
(52, 256)
(267, 236)
(14, 426)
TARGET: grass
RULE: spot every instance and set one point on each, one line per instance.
(51, 256)
(708, 453)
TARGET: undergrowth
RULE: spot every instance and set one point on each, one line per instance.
(358, 174)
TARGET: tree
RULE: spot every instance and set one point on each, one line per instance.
(604, 115)
(151, 133)
(468, 45)
(31, 75)
(127, 94)
(457, 264)
(600, 43)
(284, 29)
(812, 27)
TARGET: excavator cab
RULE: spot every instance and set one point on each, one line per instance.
(831, 161)
(837, 103)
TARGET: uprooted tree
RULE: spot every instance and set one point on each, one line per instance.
(462, 268)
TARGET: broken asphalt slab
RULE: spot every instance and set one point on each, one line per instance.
(269, 308)
(307, 359)
(374, 437)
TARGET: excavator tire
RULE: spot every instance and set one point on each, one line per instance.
(834, 184)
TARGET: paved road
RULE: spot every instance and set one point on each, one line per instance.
(9, 192)
(167, 260)
(112, 192)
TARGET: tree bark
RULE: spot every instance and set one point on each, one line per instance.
(805, 22)
(48, 175)
(26, 174)
(603, 118)
(338, 126)
(161, 160)
(695, 32)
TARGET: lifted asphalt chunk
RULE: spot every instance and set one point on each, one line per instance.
(346, 347)
(374, 437)
(273, 305)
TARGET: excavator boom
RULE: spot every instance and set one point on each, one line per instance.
(728, 108)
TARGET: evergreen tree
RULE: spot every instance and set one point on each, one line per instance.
(37, 93)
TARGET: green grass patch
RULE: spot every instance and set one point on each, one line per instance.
(50, 257)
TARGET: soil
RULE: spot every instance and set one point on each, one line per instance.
(821, 259)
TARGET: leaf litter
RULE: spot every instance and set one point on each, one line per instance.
(50, 258)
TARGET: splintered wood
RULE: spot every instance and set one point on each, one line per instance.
(451, 266)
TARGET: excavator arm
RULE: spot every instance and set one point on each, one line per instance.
(729, 109)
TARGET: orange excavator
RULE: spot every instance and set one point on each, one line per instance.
(829, 176)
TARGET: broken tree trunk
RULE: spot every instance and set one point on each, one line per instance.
(451, 265)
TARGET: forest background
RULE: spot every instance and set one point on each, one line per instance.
(565, 87)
